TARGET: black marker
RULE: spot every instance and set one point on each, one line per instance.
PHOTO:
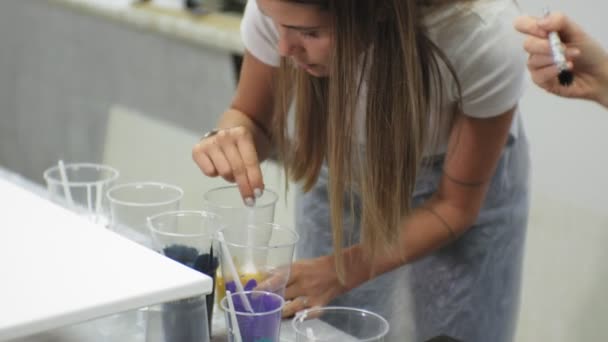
(565, 76)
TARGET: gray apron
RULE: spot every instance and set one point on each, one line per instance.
(469, 289)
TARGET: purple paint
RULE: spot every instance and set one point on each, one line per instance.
(264, 324)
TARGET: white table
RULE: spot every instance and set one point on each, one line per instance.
(58, 269)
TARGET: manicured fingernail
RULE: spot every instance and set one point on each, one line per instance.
(250, 202)
(257, 193)
(574, 52)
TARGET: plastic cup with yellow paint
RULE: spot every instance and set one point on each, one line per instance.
(262, 254)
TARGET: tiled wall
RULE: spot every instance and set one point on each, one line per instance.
(62, 71)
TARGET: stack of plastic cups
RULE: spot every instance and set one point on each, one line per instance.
(130, 206)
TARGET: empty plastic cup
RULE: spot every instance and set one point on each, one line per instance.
(339, 324)
(226, 201)
(262, 254)
(261, 325)
(132, 203)
(84, 188)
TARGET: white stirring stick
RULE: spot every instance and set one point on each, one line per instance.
(310, 335)
(232, 270)
(235, 323)
(249, 264)
(64, 182)
(90, 198)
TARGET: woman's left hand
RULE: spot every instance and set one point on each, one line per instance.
(312, 282)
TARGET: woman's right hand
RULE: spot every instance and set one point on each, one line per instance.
(243, 139)
(586, 58)
(231, 153)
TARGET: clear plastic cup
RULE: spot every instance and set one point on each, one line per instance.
(263, 324)
(124, 326)
(182, 320)
(86, 184)
(226, 201)
(262, 254)
(186, 236)
(339, 324)
(131, 204)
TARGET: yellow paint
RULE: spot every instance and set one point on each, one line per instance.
(220, 286)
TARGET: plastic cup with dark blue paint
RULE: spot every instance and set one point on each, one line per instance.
(261, 325)
(187, 237)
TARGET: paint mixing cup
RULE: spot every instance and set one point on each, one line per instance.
(83, 189)
(262, 254)
(182, 320)
(261, 325)
(187, 237)
(131, 204)
(339, 324)
(227, 202)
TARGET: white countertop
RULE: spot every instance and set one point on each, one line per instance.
(59, 269)
(215, 30)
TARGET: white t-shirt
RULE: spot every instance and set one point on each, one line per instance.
(480, 43)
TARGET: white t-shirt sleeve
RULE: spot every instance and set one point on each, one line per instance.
(259, 35)
(489, 61)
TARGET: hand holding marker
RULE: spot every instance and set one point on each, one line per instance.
(586, 71)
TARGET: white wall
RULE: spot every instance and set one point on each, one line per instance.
(566, 277)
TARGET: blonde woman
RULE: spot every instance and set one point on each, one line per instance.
(407, 143)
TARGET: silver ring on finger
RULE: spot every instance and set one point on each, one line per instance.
(304, 300)
(210, 134)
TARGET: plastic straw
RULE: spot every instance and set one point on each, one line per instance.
(235, 323)
(99, 194)
(309, 335)
(89, 198)
(64, 182)
(233, 272)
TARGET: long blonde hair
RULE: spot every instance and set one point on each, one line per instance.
(385, 43)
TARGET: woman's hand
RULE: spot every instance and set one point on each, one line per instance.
(231, 153)
(586, 58)
(312, 282)
(243, 139)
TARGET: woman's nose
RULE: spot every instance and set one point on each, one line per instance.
(286, 44)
